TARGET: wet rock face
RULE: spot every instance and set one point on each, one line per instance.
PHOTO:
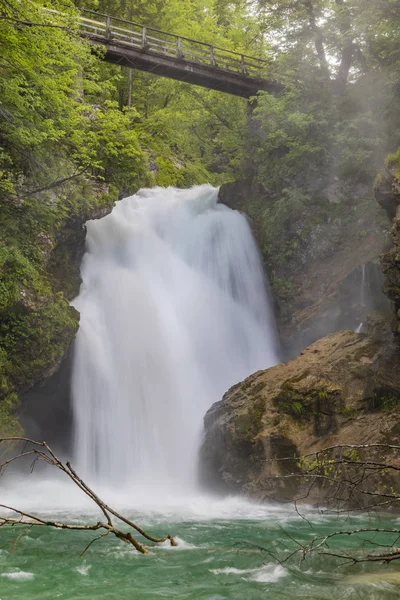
(391, 268)
(387, 193)
(45, 407)
(345, 387)
(65, 259)
(321, 257)
(387, 190)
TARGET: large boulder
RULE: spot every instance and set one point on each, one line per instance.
(343, 389)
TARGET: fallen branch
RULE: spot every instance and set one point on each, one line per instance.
(42, 451)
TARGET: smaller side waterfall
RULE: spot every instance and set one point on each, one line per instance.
(363, 289)
(363, 294)
(173, 312)
(371, 297)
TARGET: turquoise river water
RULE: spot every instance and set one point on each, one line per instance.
(227, 548)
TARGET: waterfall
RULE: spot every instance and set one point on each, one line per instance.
(363, 287)
(174, 311)
(363, 294)
(369, 278)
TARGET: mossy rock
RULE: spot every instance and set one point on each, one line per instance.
(249, 423)
(9, 422)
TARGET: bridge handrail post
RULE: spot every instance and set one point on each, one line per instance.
(212, 59)
(242, 65)
(108, 28)
(144, 37)
(179, 47)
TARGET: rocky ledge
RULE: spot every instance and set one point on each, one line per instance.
(344, 388)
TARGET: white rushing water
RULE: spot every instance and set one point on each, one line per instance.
(173, 312)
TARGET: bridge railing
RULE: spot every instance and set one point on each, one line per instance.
(154, 41)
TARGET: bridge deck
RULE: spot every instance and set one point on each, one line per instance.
(132, 45)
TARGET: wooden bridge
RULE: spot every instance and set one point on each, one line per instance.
(132, 45)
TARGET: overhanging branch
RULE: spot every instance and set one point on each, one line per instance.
(42, 451)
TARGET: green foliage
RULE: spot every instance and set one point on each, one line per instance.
(291, 139)
(295, 404)
(349, 411)
(34, 337)
(392, 161)
(339, 116)
(39, 67)
(167, 172)
(329, 465)
(56, 116)
(309, 137)
(304, 405)
(277, 217)
(9, 423)
(384, 399)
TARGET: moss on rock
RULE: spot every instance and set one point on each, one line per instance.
(9, 422)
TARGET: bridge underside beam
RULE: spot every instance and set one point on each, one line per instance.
(184, 70)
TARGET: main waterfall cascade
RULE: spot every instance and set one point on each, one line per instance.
(173, 312)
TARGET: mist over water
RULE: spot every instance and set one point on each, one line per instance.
(173, 312)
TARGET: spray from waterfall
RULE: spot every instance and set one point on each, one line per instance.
(173, 312)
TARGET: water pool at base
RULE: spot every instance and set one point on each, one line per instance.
(227, 549)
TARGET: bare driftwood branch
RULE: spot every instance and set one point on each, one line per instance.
(351, 477)
(42, 451)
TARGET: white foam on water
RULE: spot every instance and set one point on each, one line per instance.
(84, 569)
(270, 574)
(18, 575)
(60, 498)
(265, 574)
(182, 545)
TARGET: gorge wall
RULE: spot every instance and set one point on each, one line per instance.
(321, 257)
(342, 389)
(40, 266)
